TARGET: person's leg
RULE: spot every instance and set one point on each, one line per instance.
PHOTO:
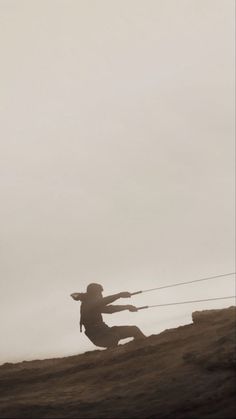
(123, 332)
(104, 339)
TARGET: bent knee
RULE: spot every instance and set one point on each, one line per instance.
(135, 328)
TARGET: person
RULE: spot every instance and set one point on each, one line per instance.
(93, 305)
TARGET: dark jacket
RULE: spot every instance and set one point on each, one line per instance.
(92, 309)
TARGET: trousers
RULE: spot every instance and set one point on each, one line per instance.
(109, 337)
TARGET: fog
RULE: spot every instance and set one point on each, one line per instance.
(116, 163)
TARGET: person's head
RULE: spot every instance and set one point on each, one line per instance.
(94, 290)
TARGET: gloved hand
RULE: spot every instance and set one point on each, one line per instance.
(132, 308)
(125, 295)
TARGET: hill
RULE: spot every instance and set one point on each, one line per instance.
(187, 372)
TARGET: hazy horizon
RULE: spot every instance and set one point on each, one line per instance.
(117, 163)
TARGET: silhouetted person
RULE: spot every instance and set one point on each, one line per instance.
(92, 307)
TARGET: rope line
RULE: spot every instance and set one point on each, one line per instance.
(184, 283)
(186, 302)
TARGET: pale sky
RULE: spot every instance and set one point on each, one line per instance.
(116, 163)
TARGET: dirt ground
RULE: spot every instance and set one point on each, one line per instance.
(187, 372)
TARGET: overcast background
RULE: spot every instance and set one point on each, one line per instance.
(117, 162)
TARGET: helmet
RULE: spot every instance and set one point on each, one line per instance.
(94, 288)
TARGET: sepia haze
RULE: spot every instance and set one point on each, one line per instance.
(116, 163)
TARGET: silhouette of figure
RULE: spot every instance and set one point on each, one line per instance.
(92, 307)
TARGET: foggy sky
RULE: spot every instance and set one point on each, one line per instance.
(116, 162)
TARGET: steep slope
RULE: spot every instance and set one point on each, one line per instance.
(188, 372)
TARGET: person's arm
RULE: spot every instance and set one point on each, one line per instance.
(111, 298)
(115, 309)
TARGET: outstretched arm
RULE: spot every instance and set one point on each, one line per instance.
(111, 298)
(114, 309)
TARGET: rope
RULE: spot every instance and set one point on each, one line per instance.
(186, 302)
(183, 283)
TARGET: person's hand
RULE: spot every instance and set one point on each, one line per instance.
(125, 295)
(132, 308)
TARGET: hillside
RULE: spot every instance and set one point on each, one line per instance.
(187, 372)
